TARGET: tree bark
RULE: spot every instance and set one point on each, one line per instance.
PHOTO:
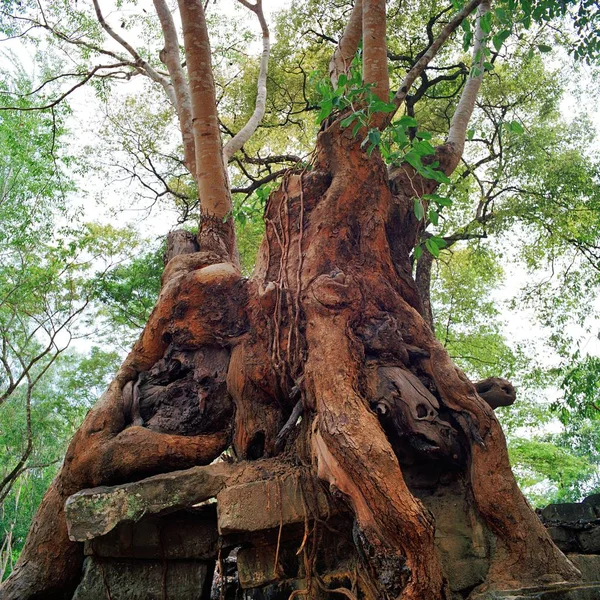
(347, 46)
(333, 313)
(216, 226)
(183, 101)
(375, 65)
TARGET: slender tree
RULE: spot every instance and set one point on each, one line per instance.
(332, 312)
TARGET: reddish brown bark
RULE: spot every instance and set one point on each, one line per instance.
(332, 311)
(332, 314)
(335, 317)
(195, 310)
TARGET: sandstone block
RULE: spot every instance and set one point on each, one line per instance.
(268, 504)
(142, 580)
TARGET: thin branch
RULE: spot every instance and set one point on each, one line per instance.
(183, 102)
(246, 132)
(148, 69)
(431, 52)
(81, 83)
(257, 183)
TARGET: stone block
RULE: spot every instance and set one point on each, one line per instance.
(588, 564)
(258, 566)
(185, 534)
(564, 538)
(569, 512)
(559, 591)
(594, 500)
(466, 574)
(589, 540)
(142, 580)
(268, 504)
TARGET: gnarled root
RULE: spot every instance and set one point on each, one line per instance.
(198, 308)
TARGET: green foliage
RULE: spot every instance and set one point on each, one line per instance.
(127, 293)
(59, 403)
(466, 317)
(550, 473)
(580, 385)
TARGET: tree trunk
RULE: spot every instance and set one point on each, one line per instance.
(332, 311)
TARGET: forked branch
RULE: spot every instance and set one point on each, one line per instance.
(236, 143)
(141, 64)
(431, 52)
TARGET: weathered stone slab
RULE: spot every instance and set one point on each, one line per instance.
(183, 535)
(559, 591)
(258, 566)
(460, 537)
(594, 500)
(564, 538)
(589, 540)
(569, 512)
(267, 504)
(142, 580)
(588, 564)
(92, 513)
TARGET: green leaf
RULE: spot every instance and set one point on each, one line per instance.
(348, 120)
(501, 14)
(470, 134)
(432, 247)
(326, 108)
(438, 241)
(424, 135)
(406, 121)
(439, 200)
(486, 22)
(381, 106)
(515, 127)
(433, 216)
(418, 252)
(544, 48)
(499, 39)
(419, 212)
(413, 159)
(374, 137)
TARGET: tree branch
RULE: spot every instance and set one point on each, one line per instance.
(347, 46)
(430, 53)
(375, 67)
(244, 134)
(183, 102)
(140, 62)
(466, 104)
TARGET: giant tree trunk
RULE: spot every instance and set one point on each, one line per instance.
(332, 312)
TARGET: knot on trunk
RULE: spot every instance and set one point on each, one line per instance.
(496, 391)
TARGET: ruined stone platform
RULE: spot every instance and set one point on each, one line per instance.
(163, 536)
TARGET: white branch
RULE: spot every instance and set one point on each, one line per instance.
(244, 134)
(466, 104)
(347, 46)
(141, 64)
(183, 101)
